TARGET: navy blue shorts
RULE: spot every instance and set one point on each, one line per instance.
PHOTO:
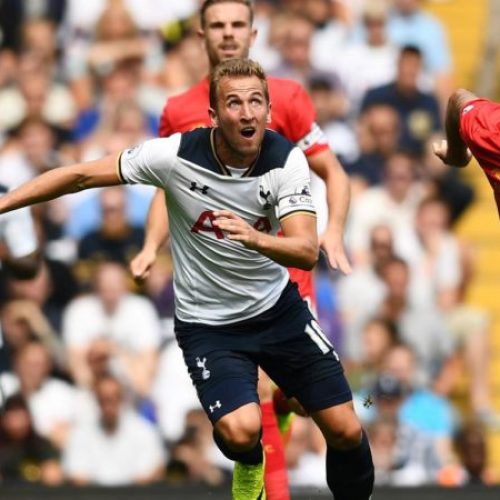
(285, 341)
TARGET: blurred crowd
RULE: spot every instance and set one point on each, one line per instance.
(94, 389)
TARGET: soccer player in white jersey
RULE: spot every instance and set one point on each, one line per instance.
(229, 189)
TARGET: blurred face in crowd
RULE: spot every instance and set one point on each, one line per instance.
(110, 399)
(241, 116)
(381, 245)
(227, 32)
(38, 142)
(396, 277)
(113, 207)
(398, 176)
(317, 11)
(383, 126)
(375, 26)
(376, 341)
(432, 219)
(39, 38)
(296, 48)
(115, 23)
(472, 450)
(409, 68)
(111, 285)
(16, 423)
(32, 367)
(407, 7)
(400, 363)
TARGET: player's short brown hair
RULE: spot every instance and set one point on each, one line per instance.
(236, 68)
(209, 3)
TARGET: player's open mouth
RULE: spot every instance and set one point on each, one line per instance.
(248, 132)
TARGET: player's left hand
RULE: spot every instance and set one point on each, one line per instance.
(236, 228)
(332, 243)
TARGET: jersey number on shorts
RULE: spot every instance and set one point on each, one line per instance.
(320, 339)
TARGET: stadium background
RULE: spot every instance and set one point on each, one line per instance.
(470, 26)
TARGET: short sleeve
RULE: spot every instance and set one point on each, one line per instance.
(150, 162)
(301, 124)
(294, 190)
(19, 233)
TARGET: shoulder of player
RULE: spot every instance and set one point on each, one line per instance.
(274, 153)
(177, 102)
(282, 88)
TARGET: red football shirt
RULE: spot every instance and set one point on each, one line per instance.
(292, 114)
(480, 130)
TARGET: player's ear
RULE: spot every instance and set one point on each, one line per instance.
(253, 36)
(269, 117)
(201, 36)
(214, 120)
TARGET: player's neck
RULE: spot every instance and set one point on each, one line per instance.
(229, 156)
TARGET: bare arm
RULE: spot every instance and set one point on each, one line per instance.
(61, 181)
(156, 235)
(454, 151)
(326, 166)
(297, 248)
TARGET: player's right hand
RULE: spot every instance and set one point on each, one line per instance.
(140, 265)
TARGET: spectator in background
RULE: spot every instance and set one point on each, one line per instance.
(126, 321)
(24, 455)
(371, 60)
(50, 400)
(330, 106)
(118, 448)
(296, 62)
(193, 453)
(422, 408)
(116, 239)
(473, 458)
(422, 326)
(378, 138)
(433, 255)
(37, 90)
(15, 14)
(418, 111)
(305, 453)
(404, 456)
(393, 203)
(360, 293)
(31, 152)
(116, 42)
(410, 25)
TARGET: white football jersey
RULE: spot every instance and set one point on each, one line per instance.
(216, 280)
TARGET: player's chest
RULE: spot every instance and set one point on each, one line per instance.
(198, 195)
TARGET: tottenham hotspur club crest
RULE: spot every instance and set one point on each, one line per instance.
(200, 363)
(265, 196)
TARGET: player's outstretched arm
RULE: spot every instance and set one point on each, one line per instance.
(453, 151)
(325, 165)
(156, 234)
(61, 181)
(297, 248)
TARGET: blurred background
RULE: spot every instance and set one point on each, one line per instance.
(417, 323)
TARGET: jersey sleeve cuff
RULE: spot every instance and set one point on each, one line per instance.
(311, 213)
(119, 168)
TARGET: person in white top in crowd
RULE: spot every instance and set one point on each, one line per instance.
(118, 448)
(127, 322)
(50, 400)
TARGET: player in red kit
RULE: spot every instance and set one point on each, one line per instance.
(226, 32)
(472, 128)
